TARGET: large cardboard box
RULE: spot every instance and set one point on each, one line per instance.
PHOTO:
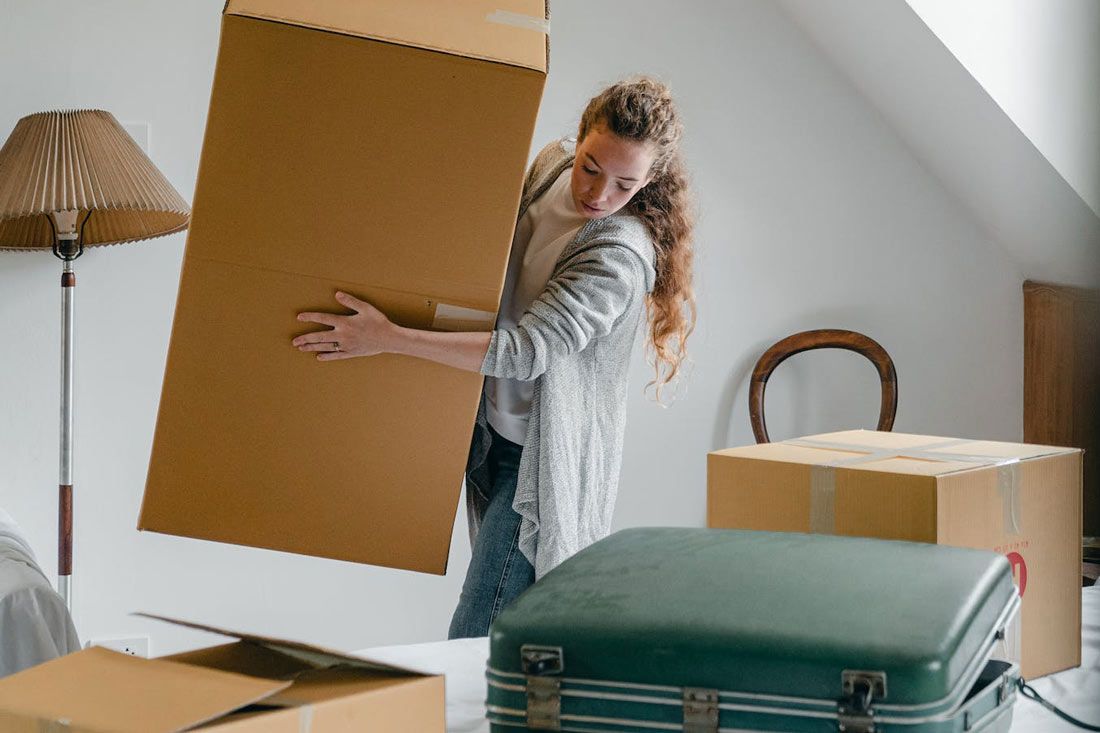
(251, 685)
(373, 147)
(1020, 500)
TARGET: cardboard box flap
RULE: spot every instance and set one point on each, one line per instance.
(98, 689)
(506, 31)
(316, 656)
(923, 455)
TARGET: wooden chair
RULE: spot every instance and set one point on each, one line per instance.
(826, 338)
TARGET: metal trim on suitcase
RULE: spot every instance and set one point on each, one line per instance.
(1001, 689)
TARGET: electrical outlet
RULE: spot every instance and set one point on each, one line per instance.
(137, 646)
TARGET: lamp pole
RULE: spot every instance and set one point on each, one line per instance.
(65, 494)
(67, 248)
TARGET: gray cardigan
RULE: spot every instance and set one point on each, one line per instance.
(575, 342)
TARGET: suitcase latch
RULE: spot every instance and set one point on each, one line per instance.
(700, 710)
(854, 709)
(543, 690)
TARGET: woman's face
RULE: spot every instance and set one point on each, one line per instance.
(608, 171)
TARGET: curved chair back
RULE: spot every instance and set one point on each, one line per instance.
(825, 338)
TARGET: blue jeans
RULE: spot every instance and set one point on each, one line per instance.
(498, 571)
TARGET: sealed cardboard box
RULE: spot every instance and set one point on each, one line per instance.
(253, 684)
(377, 148)
(1020, 500)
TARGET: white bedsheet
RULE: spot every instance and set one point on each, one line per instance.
(463, 663)
(1077, 690)
(35, 625)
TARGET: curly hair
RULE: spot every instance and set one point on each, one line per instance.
(640, 109)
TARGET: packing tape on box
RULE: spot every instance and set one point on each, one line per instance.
(449, 317)
(822, 499)
(305, 709)
(823, 476)
(1008, 486)
(519, 20)
(54, 725)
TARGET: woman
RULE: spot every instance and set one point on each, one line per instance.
(603, 238)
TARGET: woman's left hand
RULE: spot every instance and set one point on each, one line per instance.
(364, 333)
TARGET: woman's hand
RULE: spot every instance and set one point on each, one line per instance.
(368, 332)
(364, 333)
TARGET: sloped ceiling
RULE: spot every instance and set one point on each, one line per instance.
(1040, 61)
(959, 133)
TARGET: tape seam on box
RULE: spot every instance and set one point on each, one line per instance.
(823, 477)
(519, 20)
(1008, 486)
(822, 499)
(449, 317)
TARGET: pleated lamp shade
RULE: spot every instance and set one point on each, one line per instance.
(82, 160)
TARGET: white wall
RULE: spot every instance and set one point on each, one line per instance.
(1035, 57)
(813, 215)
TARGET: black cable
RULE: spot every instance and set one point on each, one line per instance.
(53, 237)
(80, 239)
(1029, 692)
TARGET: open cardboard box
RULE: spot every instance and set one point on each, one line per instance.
(1023, 501)
(253, 684)
(377, 148)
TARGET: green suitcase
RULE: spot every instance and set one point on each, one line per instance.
(708, 630)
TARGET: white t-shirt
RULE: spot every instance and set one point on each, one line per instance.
(548, 225)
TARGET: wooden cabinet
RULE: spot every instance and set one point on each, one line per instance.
(1062, 378)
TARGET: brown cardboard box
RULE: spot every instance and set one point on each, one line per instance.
(373, 147)
(1020, 500)
(255, 684)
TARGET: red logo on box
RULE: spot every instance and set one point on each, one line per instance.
(1019, 570)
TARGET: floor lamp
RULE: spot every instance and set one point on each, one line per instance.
(70, 180)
